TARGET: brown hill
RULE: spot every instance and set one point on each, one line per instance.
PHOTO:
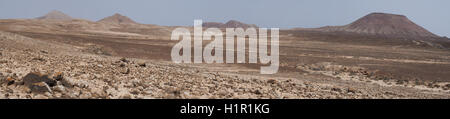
(383, 24)
(55, 15)
(118, 18)
(213, 24)
(229, 24)
(237, 24)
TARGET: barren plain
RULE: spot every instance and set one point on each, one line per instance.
(44, 58)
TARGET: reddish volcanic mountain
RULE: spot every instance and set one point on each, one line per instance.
(229, 24)
(118, 18)
(383, 24)
(55, 15)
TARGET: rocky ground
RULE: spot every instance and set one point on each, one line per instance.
(34, 69)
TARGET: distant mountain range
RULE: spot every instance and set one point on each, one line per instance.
(375, 24)
(229, 24)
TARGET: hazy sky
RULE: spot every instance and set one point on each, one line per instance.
(434, 15)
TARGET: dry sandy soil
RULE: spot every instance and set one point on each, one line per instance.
(84, 59)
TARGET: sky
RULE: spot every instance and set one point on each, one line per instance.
(433, 15)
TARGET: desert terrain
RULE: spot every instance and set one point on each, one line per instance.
(380, 56)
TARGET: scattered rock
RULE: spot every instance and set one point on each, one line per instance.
(142, 64)
(123, 59)
(43, 51)
(2, 78)
(401, 82)
(8, 71)
(100, 66)
(351, 90)
(272, 81)
(38, 59)
(58, 76)
(10, 81)
(336, 89)
(222, 92)
(36, 77)
(40, 96)
(258, 92)
(446, 87)
(67, 82)
(125, 71)
(389, 93)
(40, 87)
(59, 88)
(125, 96)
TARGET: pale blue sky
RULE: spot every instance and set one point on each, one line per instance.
(432, 14)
